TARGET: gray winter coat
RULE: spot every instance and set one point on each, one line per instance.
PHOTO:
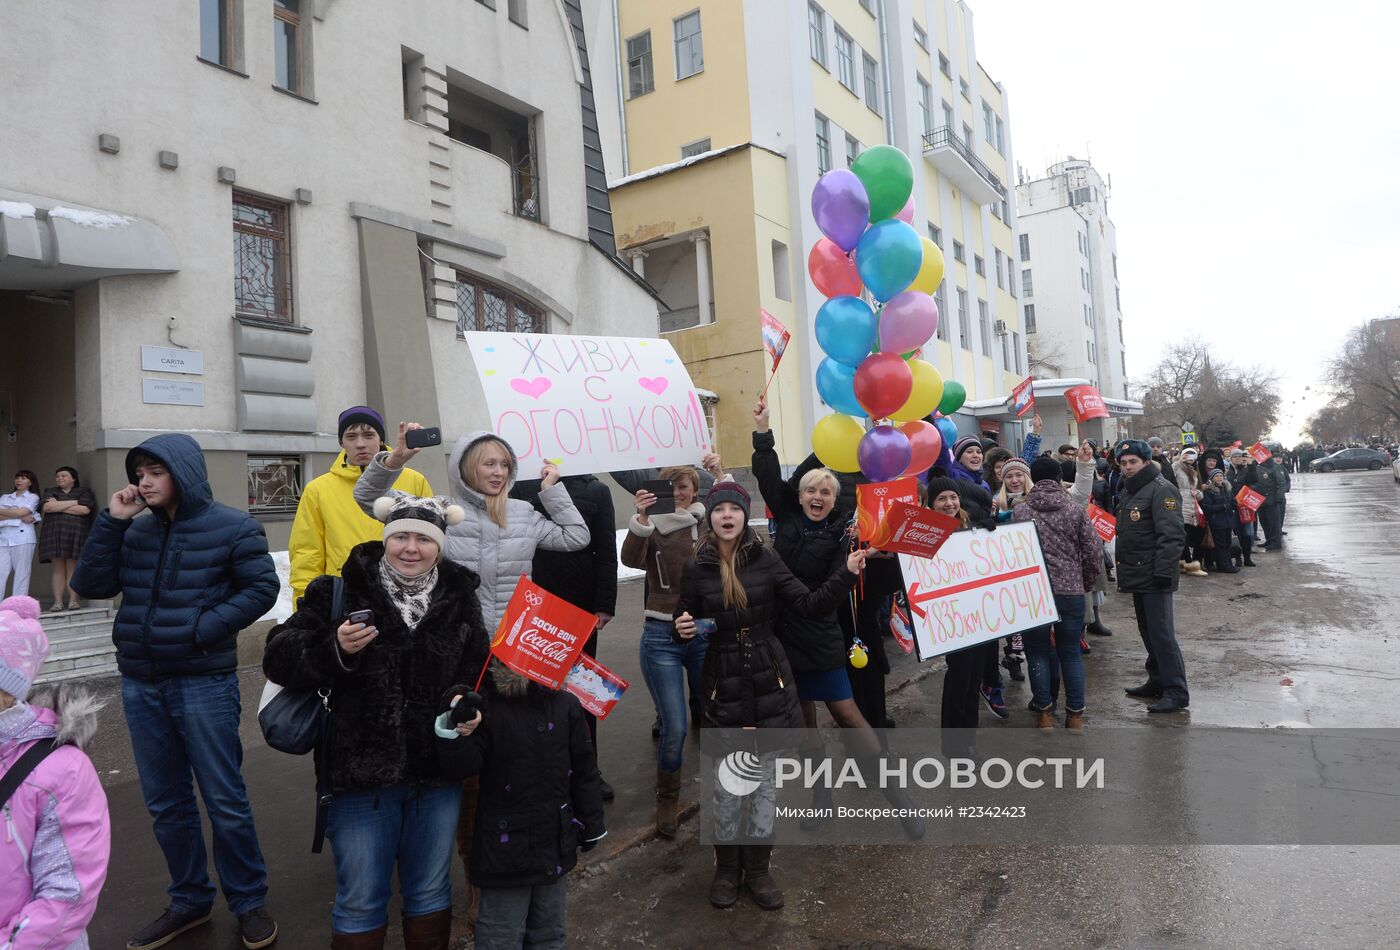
(498, 555)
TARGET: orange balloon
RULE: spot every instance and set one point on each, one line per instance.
(833, 271)
(926, 442)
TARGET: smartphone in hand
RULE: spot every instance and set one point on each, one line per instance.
(423, 438)
(365, 617)
(665, 494)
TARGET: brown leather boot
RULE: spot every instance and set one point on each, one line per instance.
(759, 883)
(369, 940)
(428, 932)
(668, 802)
(724, 890)
(1074, 720)
(1044, 719)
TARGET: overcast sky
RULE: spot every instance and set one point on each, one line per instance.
(1255, 163)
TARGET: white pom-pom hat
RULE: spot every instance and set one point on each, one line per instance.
(430, 517)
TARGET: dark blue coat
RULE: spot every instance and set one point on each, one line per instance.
(188, 586)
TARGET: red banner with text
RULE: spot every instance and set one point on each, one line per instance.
(1104, 523)
(1259, 453)
(1086, 403)
(1249, 498)
(541, 636)
(914, 530)
(1023, 397)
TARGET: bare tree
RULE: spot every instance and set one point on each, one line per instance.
(1044, 355)
(1221, 401)
(1365, 384)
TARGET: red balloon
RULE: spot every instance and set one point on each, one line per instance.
(883, 384)
(926, 441)
(833, 271)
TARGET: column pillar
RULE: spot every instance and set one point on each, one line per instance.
(639, 266)
(701, 239)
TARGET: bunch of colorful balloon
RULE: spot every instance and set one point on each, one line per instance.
(872, 366)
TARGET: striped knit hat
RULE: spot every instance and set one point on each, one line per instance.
(1015, 465)
(965, 443)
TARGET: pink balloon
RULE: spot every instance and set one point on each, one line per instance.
(907, 322)
(833, 272)
(906, 214)
(926, 443)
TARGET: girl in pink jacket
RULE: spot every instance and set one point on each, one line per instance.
(56, 839)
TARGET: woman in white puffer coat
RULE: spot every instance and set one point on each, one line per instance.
(1188, 480)
(498, 538)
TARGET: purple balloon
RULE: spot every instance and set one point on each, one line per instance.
(841, 207)
(884, 453)
(907, 322)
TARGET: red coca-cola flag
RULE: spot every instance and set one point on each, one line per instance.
(875, 498)
(1023, 397)
(1249, 498)
(598, 688)
(1086, 403)
(914, 530)
(541, 636)
(1259, 453)
(1104, 523)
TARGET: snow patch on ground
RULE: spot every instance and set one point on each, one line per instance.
(91, 219)
(16, 209)
(625, 573)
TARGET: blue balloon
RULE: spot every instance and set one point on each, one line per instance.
(846, 328)
(948, 430)
(888, 258)
(836, 383)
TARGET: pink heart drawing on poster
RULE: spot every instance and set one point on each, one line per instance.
(651, 458)
(534, 388)
(657, 385)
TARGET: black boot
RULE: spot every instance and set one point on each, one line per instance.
(1096, 626)
(1148, 690)
(757, 879)
(724, 890)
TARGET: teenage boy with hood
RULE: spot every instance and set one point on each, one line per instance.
(329, 523)
(192, 573)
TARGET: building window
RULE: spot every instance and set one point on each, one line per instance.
(1117, 300)
(940, 297)
(262, 259)
(690, 50)
(485, 306)
(1115, 266)
(1016, 351)
(925, 106)
(1001, 281)
(274, 485)
(935, 234)
(640, 78)
(872, 82)
(1123, 354)
(966, 91)
(979, 266)
(1086, 314)
(695, 148)
(996, 211)
(967, 136)
(1029, 311)
(845, 60)
(782, 272)
(216, 31)
(823, 145)
(947, 115)
(816, 33)
(1001, 138)
(1005, 211)
(1084, 278)
(286, 38)
(1088, 351)
(944, 67)
(958, 254)
(984, 326)
(989, 124)
(921, 37)
(1025, 247)
(964, 321)
(853, 150)
(1027, 287)
(515, 9)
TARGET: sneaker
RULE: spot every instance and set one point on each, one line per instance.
(996, 702)
(166, 928)
(1013, 663)
(1084, 648)
(257, 928)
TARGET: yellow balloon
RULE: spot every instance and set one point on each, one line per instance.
(835, 439)
(930, 271)
(925, 396)
(859, 658)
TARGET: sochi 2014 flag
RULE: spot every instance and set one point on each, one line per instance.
(540, 635)
(1259, 452)
(1086, 403)
(775, 336)
(1023, 397)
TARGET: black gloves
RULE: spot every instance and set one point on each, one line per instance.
(467, 706)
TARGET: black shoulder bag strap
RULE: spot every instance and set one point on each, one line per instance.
(27, 763)
(323, 745)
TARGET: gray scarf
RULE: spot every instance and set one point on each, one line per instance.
(411, 595)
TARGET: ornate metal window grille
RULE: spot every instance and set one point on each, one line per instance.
(485, 306)
(262, 261)
(274, 485)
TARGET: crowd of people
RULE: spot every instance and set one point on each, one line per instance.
(397, 593)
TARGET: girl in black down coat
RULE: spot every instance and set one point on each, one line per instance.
(739, 583)
(386, 682)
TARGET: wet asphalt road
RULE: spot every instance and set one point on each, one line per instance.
(1305, 639)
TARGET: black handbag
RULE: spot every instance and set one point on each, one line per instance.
(294, 720)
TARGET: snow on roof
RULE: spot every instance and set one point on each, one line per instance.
(91, 219)
(16, 209)
(706, 394)
(685, 163)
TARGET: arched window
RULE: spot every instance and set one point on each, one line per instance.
(482, 305)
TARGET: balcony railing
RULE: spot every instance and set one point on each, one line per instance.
(943, 140)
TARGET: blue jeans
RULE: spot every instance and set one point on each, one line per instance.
(183, 727)
(666, 665)
(372, 831)
(1041, 661)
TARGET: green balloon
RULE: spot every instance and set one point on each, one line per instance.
(888, 179)
(954, 395)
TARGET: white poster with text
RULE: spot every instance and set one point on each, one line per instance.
(981, 585)
(590, 403)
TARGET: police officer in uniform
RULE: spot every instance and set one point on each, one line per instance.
(1150, 536)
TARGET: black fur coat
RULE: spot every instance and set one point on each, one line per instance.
(384, 699)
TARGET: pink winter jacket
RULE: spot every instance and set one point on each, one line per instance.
(53, 854)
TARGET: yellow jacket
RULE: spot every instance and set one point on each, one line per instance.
(329, 522)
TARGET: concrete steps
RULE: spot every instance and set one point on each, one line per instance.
(80, 644)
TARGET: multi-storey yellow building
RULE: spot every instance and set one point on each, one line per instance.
(718, 117)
